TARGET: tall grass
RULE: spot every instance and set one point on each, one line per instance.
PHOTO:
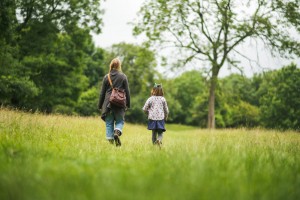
(59, 157)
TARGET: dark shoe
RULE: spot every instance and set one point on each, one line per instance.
(117, 138)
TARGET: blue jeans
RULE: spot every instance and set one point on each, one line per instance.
(113, 122)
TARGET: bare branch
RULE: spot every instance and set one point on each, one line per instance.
(248, 33)
(181, 43)
(203, 24)
(247, 58)
(190, 33)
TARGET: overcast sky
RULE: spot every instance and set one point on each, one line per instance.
(118, 13)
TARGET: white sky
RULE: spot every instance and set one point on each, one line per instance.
(118, 13)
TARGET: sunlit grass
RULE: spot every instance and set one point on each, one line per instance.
(59, 157)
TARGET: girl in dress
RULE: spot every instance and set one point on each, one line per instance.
(157, 109)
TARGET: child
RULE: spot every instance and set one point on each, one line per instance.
(157, 109)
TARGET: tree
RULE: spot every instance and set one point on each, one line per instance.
(94, 71)
(87, 102)
(62, 13)
(180, 93)
(237, 99)
(280, 104)
(212, 30)
(95, 66)
(61, 70)
(47, 52)
(15, 86)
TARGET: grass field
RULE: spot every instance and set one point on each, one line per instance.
(58, 157)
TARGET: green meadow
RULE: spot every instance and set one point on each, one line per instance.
(61, 157)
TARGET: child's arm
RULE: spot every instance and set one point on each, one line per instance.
(147, 106)
(166, 110)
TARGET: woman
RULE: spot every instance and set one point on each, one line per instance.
(111, 114)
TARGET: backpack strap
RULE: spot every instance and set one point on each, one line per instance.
(110, 81)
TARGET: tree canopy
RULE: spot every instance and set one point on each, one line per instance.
(49, 62)
(280, 105)
(211, 31)
(45, 51)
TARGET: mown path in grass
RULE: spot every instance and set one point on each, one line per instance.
(59, 157)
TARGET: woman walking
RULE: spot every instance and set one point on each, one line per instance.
(113, 115)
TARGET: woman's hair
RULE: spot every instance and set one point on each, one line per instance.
(157, 90)
(115, 64)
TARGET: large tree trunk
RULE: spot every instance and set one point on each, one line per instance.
(211, 104)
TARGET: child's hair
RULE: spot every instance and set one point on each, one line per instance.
(115, 64)
(157, 90)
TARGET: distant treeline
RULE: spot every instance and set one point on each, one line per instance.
(68, 78)
(53, 66)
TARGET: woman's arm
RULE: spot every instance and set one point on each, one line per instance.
(102, 93)
(127, 91)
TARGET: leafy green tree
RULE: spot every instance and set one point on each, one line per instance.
(47, 52)
(239, 87)
(84, 13)
(94, 71)
(280, 104)
(7, 20)
(237, 114)
(87, 102)
(235, 102)
(59, 71)
(211, 31)
(16, 88)
(198, 111)
(13, 84)
(182, 90)
(95, 66)
(257, 90)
